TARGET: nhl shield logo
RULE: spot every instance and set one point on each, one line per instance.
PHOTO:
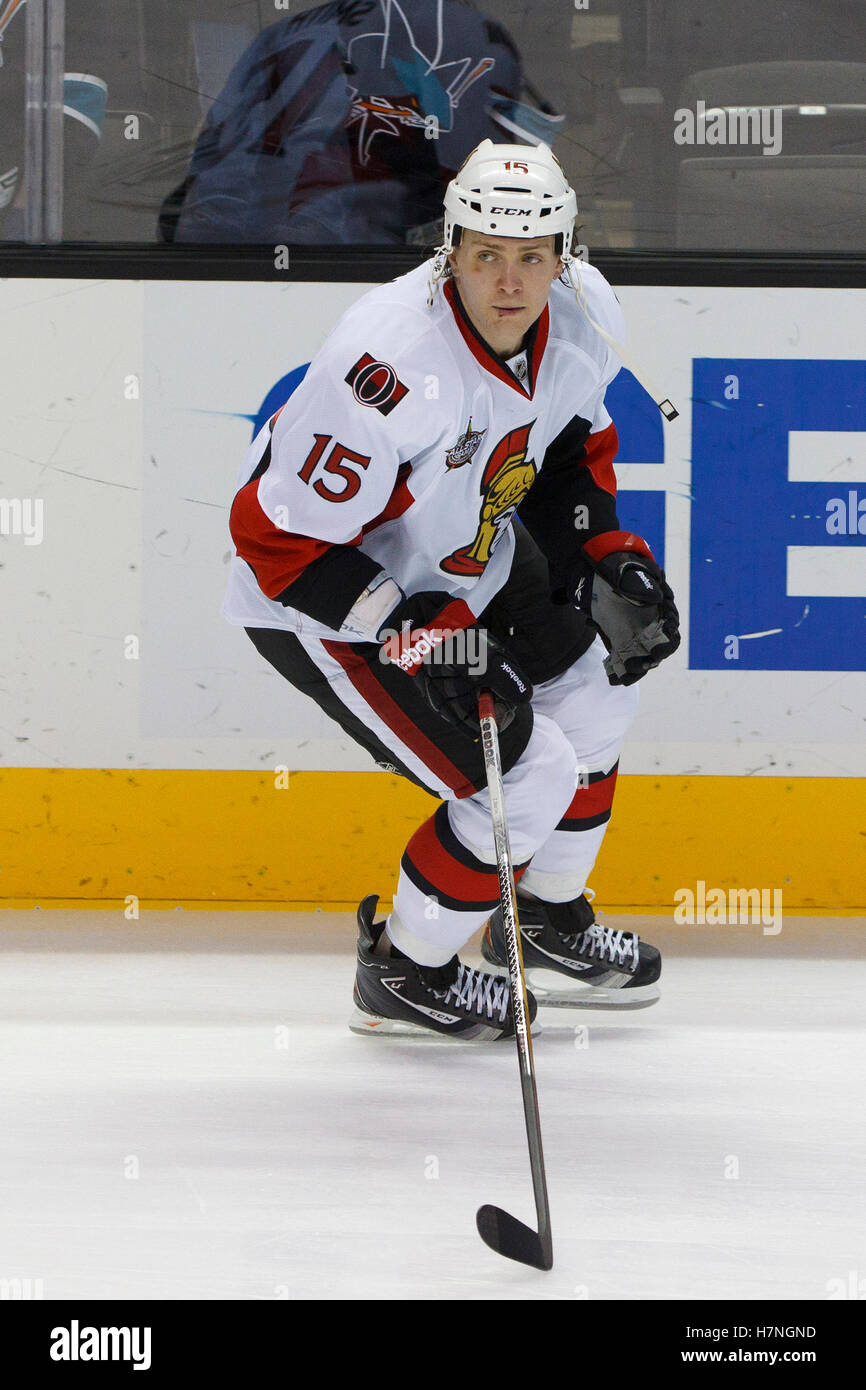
(465, 447)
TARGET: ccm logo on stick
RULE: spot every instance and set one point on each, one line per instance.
(375, 384)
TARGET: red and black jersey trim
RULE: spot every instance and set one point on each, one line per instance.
(321, 579)
(330, 585)
(357, 662)
(451, 753)
(318, 578)
(534, 343)
(577, 470)
(445, 870)
(591, 804)
(613, 542)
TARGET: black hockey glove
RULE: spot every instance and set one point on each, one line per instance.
(436, 638)
(629, 601)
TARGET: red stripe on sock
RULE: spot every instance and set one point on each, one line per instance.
(592, 800)
(446, 873)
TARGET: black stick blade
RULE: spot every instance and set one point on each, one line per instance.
(509, 1237)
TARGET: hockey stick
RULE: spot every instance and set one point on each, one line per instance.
(502, 1232)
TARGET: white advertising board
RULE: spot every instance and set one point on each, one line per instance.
(127, 408)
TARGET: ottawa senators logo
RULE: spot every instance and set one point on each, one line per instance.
(376, 384)
(508, 475)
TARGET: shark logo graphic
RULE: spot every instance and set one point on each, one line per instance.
(7, 13)
(434, 87)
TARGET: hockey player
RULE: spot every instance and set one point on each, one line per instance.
(433, 512)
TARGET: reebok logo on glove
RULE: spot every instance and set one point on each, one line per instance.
(436, 639)
(449, 646)
(410, 657)
(509, 670)
(417, 628)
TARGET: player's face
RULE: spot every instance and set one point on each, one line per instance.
(504, 283)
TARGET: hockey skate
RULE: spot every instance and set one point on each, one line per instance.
(394, 995)
(573, 961)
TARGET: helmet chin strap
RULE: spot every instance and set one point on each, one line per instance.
(572, 268)
(437, 272)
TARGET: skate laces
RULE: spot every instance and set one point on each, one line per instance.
(479, 992)
(617, 947)
(605, 943)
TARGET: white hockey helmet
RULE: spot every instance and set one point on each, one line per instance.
(514, 191)
(522, 191)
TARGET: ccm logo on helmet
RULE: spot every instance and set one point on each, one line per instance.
(375, 384)
(510, 212)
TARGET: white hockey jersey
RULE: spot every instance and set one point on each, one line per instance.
(409, 447)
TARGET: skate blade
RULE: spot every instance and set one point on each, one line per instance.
(361, 1022)
(552, 992)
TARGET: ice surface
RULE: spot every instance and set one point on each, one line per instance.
(280, 1156)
